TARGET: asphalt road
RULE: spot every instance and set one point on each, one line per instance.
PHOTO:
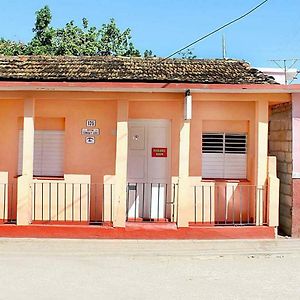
(94, 269)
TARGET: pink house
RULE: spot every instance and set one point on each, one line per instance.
(112, 147)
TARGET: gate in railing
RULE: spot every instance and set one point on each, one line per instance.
(72, 202)
(152, 202)
(232, 204)
(8, 202)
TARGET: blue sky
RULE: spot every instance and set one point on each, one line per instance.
(271, 32)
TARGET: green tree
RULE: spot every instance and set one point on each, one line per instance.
(71, 39)
(187, 54)
(42, 42)
(115, 42)
(149, 53)
(8, 47)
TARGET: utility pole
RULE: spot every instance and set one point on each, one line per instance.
(224, 46)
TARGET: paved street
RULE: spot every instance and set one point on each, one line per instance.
(114, 269)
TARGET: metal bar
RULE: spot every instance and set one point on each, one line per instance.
(127, 202)
(248, 213)
(255, 205)
(88, 202)
(150, 202)
(34, 199)
(241, 204)
(177, 202)
(173, 203)
(49, 201)
(135, 200)
(225, 216)
(195, 204)
(103, 200)
(203, 204)
(233, 207)
(265, 204)
(95, 200)
(42, 201)
(57, 195)
(4, 200)
(111, 202)
(72, 202)
(158, 196)
(143, 204)
(166, 199)
(80, 195)
(217, 188)
(210, 205)
(259, 207)
(65, 210)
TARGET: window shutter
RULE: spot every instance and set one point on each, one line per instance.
(235, 165)
(224, 155)
(48, 153)
(212, 155)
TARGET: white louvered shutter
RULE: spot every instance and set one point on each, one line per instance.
(224, 155)
(48, 153)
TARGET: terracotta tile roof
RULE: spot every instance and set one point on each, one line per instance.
(101, 68)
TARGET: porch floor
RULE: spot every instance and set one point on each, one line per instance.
(144, 231)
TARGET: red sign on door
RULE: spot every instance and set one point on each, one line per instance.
(159, 152)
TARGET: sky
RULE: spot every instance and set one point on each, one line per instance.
(271, 32)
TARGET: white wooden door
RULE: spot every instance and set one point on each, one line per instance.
(148, 169)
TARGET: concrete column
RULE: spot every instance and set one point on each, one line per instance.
(273, 193)
(24, 193)
(119, 213)
(262, 117)
(185, 196)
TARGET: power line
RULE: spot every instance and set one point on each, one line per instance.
(218, 29)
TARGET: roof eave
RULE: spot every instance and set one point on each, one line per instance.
(147, 87)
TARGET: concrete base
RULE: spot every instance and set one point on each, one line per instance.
(137, 231)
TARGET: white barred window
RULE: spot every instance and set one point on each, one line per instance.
(224, 155)
(48, 157)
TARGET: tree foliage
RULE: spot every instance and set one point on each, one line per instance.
(71, 39)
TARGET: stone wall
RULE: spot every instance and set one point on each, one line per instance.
(280, 145)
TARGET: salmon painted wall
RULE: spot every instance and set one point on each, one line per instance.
(234, 117)
(10, 112)
(80, 158)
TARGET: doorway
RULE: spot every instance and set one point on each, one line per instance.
(148, 174)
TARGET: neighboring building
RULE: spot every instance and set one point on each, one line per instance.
(284, 143)
(123, 142)
(280, 75)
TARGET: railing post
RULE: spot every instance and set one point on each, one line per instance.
(262, 115)
(273, 193)
(185, 192)
(24, 193)
(119, 215)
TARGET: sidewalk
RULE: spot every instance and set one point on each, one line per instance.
(144, 248)
(141, 269)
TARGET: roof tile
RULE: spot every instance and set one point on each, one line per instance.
(108, 68)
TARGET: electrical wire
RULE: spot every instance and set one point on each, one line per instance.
(218, 29)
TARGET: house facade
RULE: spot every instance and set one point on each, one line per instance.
(136, 148)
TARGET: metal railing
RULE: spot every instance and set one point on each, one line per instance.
(152, 202)
(72, 202)
(8, 202)
(233, 205)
